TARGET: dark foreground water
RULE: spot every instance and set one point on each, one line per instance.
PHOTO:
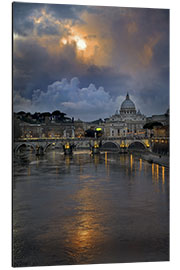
(103, 209)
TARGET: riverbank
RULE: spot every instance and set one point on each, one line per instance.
(154, 158)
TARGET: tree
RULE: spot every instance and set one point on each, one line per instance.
(58, 113)
(44, 114)
(21, 113)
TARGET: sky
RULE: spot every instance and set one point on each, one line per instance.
(82, 60)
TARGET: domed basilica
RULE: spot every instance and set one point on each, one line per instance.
(125, 121)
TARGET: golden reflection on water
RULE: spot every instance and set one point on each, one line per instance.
(67, 160)
(122, 159)
(163, 174)
(131, 162)
(140, 164)
(106, 163)
(84, 231)
(96, 160)
(106, 160)
(163, 178)
(157, 172)
(156, 176)
(79, 162)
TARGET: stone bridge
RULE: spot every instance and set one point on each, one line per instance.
(115, 144)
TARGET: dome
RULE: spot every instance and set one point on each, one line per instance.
(128, 105)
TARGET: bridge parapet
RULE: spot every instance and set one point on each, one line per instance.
(80, 139)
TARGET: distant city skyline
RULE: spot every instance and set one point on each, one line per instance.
(82, 60)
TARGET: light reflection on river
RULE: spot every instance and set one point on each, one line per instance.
(83, 209)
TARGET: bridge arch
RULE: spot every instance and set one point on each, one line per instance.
(109, 145)
(24, 144)
(57, 144)
(47, 145)
(137, 145)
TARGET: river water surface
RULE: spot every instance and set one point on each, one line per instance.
(84, 209)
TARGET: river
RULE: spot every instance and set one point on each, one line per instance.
(107, 208)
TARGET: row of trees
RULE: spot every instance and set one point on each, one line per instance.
(38, 117)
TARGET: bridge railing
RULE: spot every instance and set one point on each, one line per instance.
(129, 137)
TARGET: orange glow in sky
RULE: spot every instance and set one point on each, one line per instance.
(81, 44)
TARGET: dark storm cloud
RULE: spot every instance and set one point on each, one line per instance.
(47, 28)
(22, 21)
(154, 101)
(140, 29)
(148, 37)
(65, 11)
(30, 67)
(114, 82)
(138, 62)
(161, 53)
(36, 68)
(23, 13)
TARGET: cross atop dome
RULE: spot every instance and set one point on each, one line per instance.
(127, 96)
